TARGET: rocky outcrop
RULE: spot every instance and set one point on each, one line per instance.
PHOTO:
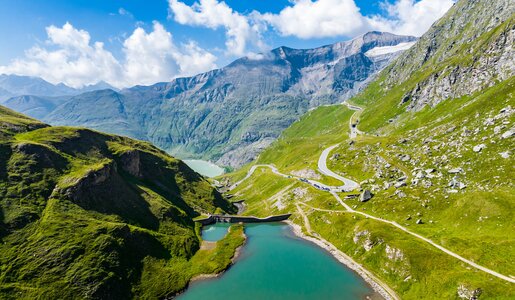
(365, 196)
(477, 68)
(469, 294)
(130, 163)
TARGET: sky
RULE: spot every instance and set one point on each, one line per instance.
(131, 42)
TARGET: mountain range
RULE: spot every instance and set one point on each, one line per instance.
(227, 115)
(37, 97)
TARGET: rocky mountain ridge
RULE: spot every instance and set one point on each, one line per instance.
(481, 64)
(230, 114)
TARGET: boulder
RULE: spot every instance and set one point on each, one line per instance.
(419, 221)
(400, 184)
(479, 147)
(508, 134)
(365, 196)
(505, 154)
(455, 170)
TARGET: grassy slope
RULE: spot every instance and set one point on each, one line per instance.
(84, 214)
(456, 222)
(471, 222)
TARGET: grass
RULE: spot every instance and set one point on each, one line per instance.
(85, 214)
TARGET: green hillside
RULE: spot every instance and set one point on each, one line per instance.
(89, 215)
(436, 153)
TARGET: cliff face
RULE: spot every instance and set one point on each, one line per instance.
(81, 211)
(229, 115)
(455, 57)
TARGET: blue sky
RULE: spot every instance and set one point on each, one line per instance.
(143, 42)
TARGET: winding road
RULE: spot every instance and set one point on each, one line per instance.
(350, 185)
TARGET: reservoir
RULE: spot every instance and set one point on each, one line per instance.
(275, 264)
(215, 232)
(205, 168)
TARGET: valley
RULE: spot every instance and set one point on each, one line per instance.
(377, 167)
(434, 181)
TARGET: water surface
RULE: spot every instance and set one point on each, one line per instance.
(274, 264)
(205, 168)
(215, 232)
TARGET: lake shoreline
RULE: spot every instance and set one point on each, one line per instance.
(204, 167)
(377, 285)
(200, 277)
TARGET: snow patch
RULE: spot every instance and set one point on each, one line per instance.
(377, 51)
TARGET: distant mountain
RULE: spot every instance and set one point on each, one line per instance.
(229, 115)
(28, 85)
(34, 106)
(36, 97)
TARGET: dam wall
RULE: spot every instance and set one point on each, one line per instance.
(243, 219)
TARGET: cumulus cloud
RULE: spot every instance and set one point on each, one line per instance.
(239, 29)
(331, 18)
(70, 57)
(411, 17)
(316, 19)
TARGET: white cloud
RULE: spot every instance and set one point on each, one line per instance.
(75, 61)
(193, 59)
(70, 57)
(316, 19)
(212, 14)
(123, 12)
(412, 17)
(331, 18)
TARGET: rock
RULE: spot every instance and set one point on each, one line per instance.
(400, 184)
(455, 170)
(508, 134)
(479, 147)
(427, 183)
(497, 129)
(400, 194)
(489, 122)
(405, 157)
(368, 245)
(365, 196)
(429, 171)
(419, 221)
(505, 154)
(454, 183)
(420, 175)
(466, 293)
(394, 253)
(408, 218)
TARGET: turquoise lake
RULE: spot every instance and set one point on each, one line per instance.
(274, 264)
(215, 232)
(205, 168)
